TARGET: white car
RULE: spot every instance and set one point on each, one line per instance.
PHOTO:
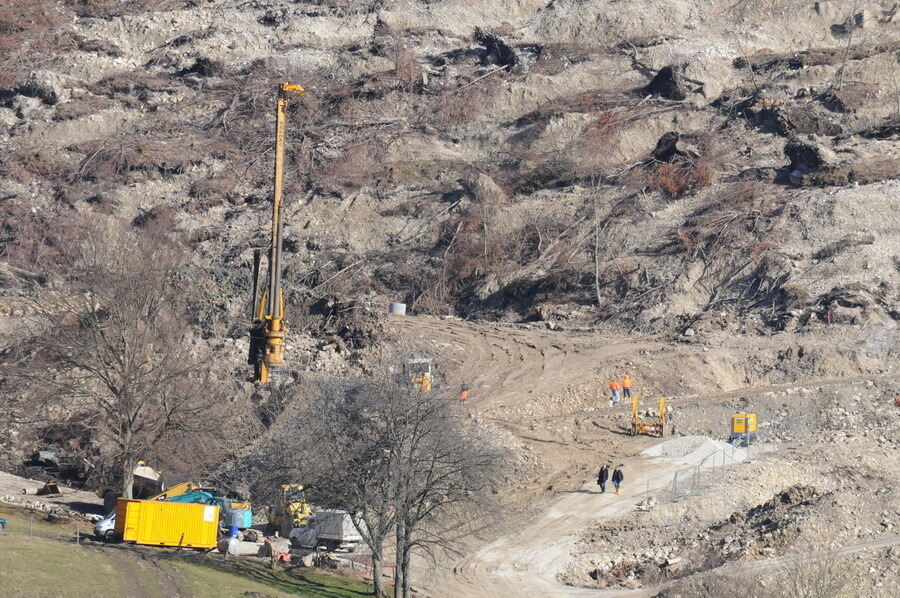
(106, 527)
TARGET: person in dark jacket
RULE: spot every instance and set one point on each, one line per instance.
(617, 478)
(602, 477)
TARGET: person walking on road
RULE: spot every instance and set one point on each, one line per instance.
(615, 388)
(626, 386)
(602, 477)
(617, 478)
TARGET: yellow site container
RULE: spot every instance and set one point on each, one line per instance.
(743, 428)
(161, 523)
(743, 423)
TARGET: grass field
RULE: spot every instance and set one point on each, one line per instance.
(49, 564)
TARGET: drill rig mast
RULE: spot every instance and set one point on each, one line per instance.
(267, 311)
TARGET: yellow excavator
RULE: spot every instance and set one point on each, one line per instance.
(268, 329)
(293, 511)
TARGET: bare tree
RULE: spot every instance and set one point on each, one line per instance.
(345, 454)
(330, 440)
(112, 344)
(808, 575)
(814, 574)
(851, 24)
(443, 473)
(397, 459)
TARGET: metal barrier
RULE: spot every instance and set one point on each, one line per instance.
(697, 479)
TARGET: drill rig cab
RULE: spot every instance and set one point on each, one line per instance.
(267, 310)
(639, 426)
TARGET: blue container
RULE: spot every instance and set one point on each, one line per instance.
(232, 531)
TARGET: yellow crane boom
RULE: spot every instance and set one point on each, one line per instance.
(268, 329)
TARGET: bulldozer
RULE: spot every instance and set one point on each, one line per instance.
(268, 330)
(293, 511)
(419, 372)
(639, 426)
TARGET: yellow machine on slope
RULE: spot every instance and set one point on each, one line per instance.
(419, 372)
(268, 329)
(639, 426)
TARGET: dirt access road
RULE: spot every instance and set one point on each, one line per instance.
(507, 368)
(515, 372)
(506, 365)
(527, 562)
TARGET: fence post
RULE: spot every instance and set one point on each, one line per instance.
(30, 521)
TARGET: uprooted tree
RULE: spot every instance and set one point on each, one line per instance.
(400, 461)
(107, 346)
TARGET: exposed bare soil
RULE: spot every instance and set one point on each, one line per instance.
(704, 194)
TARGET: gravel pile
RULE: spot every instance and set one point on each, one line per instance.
(692, 450)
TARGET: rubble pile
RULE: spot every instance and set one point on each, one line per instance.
(54, 510)
(769, 529)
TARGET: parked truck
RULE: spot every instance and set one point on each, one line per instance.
(331, 528)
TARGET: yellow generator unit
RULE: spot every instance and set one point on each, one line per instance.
(743, 427)
(162, 523)
(657, 426)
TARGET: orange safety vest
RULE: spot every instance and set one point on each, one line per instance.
(626, 382)
(614, 385)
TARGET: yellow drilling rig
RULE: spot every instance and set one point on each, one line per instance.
(268, 329)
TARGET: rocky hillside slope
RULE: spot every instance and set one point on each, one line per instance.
(659, 167)
(721, 167)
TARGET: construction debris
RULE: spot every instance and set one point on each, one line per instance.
(50, 488)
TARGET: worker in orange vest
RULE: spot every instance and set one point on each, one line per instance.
(463, 394)
(615, 387)
(626, 386)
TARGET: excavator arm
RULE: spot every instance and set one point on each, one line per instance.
(268, 330)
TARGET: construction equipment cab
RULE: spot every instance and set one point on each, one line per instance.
(419, 372)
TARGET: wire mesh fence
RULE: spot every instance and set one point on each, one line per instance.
(698, 478)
